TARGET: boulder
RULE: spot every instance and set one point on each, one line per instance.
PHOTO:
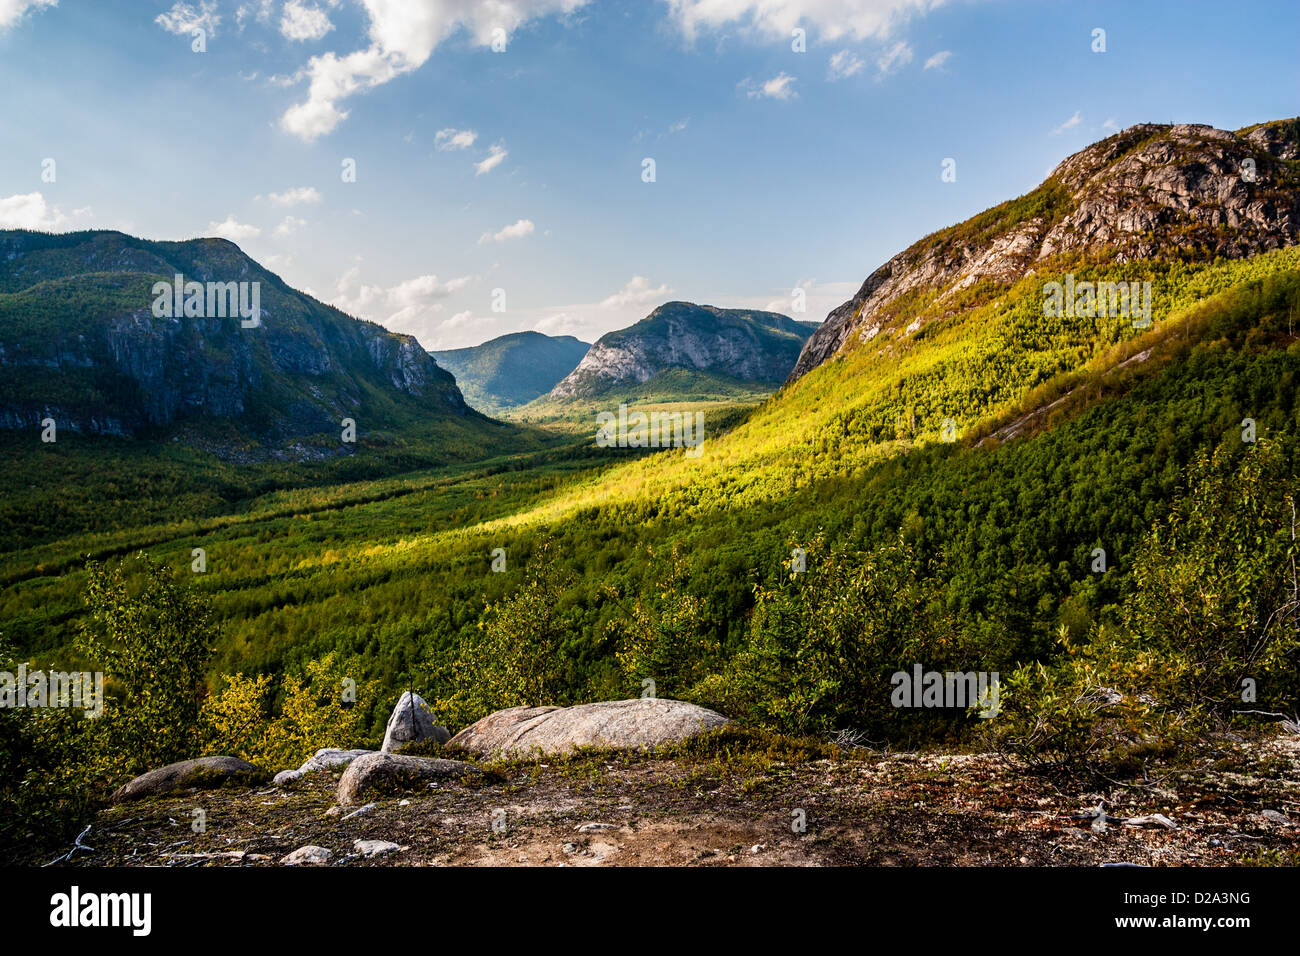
(382, 773)
(374, 847)
(329, 758)
(203, 773)
(307, 854)
(613, 724)
(412, 722)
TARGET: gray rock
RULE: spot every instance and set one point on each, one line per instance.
(382, 773)
(375, 847)
(203, 773)
(412, 722)
(329, 758)
(307, 855)
(614, 724)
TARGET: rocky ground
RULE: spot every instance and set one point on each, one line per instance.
(729, 804)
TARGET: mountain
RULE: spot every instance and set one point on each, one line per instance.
(512, 369)
(91, 336)
(693, 346)
(1149, 192)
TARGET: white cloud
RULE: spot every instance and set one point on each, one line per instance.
(1071, 123)
(774, 19)
(1111, 125)
(259, 10)
(233, 230)
(895, 58)
(403, 35)
(289, 226)
(843, 65)
(638, 291)
(299, 22)
(184, 18)
(447, 139)
(30, 211)
(496, 156)
(11, 11)
(937, 61)
(779, 87)
(516, 230)
(296, 196)
(412, 305)
(563, 323)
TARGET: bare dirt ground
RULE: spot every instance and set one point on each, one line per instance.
(630, 810)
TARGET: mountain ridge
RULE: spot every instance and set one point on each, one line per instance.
(1142, 192)
(743, 344)
(82, 343)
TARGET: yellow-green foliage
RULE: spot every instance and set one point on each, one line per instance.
(318, 710)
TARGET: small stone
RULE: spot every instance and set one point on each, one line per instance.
(757, 848)
(360, 810)
(590, 827)
(334, 811)
(1274, 816)
(286, 777)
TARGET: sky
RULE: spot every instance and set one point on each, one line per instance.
(458, 170)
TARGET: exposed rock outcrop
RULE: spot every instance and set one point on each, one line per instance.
(203, 773)
(384, 773)
(1148, 191)
(328, 758)
(616, 724)
(80, 343)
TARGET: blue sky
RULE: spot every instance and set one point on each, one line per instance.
(773, 168)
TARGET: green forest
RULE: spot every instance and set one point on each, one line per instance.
(1111, 513)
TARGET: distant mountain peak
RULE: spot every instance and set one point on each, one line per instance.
(744, 344)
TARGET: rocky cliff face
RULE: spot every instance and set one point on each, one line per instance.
(740, 344)
(80, 343)
(1147, 192)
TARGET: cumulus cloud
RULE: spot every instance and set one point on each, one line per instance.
(288, 226)
(938, 60)
(301, 22)
(184, 18)
(296, 196)
(11, 11)
(402, 35)
(774, 19)
(409, 306)
(447, 139)
(29, 211)
(638, 291)
(496, 156)
(779, 87)
(516, 230)
(895, 58)
(1071, 123)
(843, 65)
(230, 229)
